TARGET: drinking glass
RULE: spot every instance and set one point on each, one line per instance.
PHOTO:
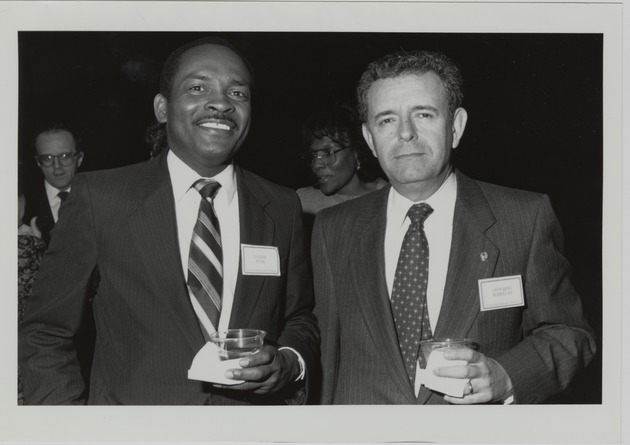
(237, 343)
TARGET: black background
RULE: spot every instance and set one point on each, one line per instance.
(534, 103)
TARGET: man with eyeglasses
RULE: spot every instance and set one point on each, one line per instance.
(58, 159)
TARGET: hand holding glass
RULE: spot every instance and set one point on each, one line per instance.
(433, 351)
(237, 343)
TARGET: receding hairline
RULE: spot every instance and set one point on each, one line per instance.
(423, 106)
(54, 131)
(171, 66)
(238, 57)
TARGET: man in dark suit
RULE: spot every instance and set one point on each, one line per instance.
(58, 159)
(439, 255)
(144, 228)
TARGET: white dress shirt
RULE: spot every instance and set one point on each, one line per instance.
(187, 201)
(54, 201)
(438, 228)
(225, 203)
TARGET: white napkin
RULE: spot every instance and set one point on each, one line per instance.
(207, 366)
(446, 385)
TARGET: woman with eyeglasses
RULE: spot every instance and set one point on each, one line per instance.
(339, 158)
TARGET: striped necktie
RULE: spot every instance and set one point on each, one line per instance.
(205, 261)
(409, 293)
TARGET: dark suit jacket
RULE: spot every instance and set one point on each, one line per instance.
(40, 207)
(541, 346)
(122, 223)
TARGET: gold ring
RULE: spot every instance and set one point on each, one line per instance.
(470, 388)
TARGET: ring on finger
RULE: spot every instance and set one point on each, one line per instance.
(470, 388)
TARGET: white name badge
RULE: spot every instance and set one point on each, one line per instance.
(260, 260)
(501, 292)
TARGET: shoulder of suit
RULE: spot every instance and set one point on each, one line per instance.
(258, 183)
(370, 202)
(504, 192)
(117, 175)
(507, 201)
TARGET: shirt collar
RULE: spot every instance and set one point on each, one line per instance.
(52, 192)
(183, 177)
(443, 199)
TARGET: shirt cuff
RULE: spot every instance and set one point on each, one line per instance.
(300, 361)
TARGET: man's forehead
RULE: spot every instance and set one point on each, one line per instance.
(55, 140)
(213, 56)
(406, 86)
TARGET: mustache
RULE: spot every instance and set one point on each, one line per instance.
(217, 116)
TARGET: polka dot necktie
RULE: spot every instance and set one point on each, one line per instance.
(205, 261)
(409, 293)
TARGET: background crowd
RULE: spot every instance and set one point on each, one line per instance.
(531, 130)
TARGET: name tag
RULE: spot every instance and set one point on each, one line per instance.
(260, 260)
(501, 292)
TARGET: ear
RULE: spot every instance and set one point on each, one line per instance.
(159, 108)
(368, 139)
(460, 117)
(79, 159)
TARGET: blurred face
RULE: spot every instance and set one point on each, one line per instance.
(332, 176)
(207, 116)
(411, 132)
(56, 143)
(21, 209)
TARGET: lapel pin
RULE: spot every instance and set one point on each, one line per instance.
(483, 256)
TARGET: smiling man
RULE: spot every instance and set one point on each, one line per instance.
(185, 244)
(440, 255)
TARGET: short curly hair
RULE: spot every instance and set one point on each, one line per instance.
(412, 62)
(341, 124)
(155, 134)
(171, 64)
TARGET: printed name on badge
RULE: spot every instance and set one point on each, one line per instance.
(260, 260)
(501, 292)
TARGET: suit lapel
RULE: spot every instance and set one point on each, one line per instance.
(460, 305)
(45, 221)
(154, 228)
(256, 228)
(473, 256)
(371, 289)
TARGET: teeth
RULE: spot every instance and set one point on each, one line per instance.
(215, 125)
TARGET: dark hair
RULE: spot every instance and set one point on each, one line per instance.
(412, 62)
(156, 132)
(57, 128)
(172, 61)
(342, 125)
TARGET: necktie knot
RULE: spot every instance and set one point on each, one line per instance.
(418, 213)
(62, 195)
(207, 188)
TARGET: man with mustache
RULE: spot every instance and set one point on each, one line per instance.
(439, 255)
(185, 244)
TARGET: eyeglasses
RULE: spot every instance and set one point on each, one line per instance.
(326, 155)
(65, 159)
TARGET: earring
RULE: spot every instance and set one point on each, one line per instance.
(358, 165)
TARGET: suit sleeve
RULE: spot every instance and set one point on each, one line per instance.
(557, 343)
(326, 312)
(300, 330)
(54, 310)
